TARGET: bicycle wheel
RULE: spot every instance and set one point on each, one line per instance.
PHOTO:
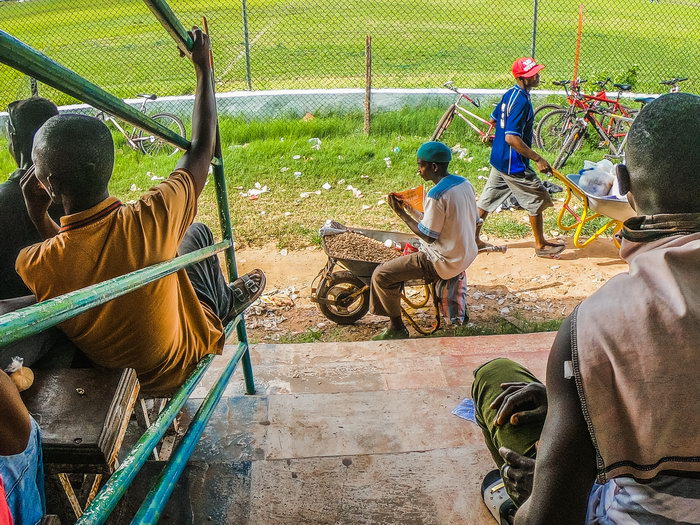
(444, 122)
(543, 110)
(152, 145)
(553, 128)
(571, 144)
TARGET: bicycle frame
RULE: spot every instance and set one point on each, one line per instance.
(480, 125)
(132, 139)
(579, 100)
(606, 136)
(465, 115)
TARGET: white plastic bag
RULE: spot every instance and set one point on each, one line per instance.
(597, 178)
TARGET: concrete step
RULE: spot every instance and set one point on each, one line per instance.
(349, 433)
(342, 433)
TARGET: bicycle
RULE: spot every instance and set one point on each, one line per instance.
(143, 141)
(485, 134)
(614, 135)
(553, 127)
(573, 139)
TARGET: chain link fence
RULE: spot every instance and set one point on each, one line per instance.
(274, 46)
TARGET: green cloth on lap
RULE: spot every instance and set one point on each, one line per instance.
(486, 388)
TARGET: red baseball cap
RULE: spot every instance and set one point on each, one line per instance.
(526, 67)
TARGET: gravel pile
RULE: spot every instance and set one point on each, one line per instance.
(351, 245)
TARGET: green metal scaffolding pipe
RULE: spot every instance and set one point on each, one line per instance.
(162, 11)
(37, 318)
(29, 61)
(173, 26)
(152, 507)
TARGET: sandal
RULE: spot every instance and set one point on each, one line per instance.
(245, 292)
(496, 499)
(550, 251)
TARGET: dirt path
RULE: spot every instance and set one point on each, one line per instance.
(516, 285)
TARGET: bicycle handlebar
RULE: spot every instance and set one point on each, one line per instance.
(450, 85)
(673, 81)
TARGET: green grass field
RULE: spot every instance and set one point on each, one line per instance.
(304, 44)
(259, 152)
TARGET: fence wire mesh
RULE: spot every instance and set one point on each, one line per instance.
(263, 45)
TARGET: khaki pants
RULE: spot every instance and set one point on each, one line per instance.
(385, 290)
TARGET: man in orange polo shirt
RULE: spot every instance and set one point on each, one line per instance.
(164, 328)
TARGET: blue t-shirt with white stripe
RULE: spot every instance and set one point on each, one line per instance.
(514, 116)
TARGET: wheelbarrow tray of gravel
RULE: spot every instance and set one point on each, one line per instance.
(342, 294)
(364, 269)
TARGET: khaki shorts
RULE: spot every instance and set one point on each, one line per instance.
(527, 188)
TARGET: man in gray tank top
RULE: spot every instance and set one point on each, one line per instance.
(613, 439)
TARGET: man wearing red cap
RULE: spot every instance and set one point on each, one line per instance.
(511, 154)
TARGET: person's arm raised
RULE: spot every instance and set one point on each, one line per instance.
(198, 159)
(410, 220)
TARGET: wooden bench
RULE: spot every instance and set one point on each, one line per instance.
(83, 414)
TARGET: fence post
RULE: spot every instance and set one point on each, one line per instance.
(246, 45)
(534, 29)
(33, 87)
(368, 84)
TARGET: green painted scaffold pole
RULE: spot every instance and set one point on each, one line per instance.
(29, 61)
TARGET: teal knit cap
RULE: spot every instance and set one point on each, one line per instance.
(434, 151)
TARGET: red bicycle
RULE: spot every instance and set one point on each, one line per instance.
(481, 126)
(554, 126)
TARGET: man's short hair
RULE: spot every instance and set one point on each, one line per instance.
(28, 115)
(79, 150)
(663, 153)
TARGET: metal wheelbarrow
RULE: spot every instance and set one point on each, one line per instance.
(341, 288)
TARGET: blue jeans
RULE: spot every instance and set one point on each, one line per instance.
(23, 477)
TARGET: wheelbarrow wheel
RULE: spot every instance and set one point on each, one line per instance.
(346, 305)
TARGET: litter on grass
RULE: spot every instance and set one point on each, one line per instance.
(255, 192)
(355, 192)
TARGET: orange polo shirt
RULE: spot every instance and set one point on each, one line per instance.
(161, 329)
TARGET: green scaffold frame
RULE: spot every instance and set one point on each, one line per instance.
(34, 319)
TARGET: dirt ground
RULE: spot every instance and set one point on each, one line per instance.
(515, 286)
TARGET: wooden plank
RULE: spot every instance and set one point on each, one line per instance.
(118, 416)
(83, 414)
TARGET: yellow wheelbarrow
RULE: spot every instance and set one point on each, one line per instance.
(615, 209)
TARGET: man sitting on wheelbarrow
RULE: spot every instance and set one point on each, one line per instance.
(447, 229)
